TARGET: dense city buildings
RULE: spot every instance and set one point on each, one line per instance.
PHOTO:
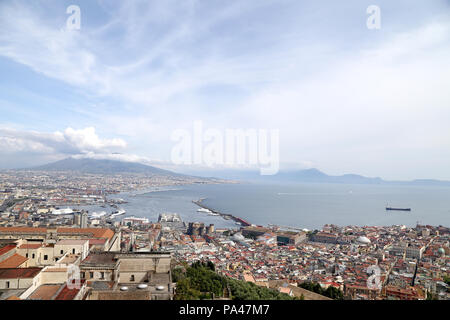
(50, 251)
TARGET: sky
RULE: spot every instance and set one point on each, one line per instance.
(345, 98)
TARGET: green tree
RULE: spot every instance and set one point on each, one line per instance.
(200, 281)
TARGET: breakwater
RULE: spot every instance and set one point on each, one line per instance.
(226, 216)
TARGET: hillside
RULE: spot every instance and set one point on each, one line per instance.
(102, 167)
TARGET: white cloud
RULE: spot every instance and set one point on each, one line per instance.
(119, 157)
(69, 142)
(14, 145)
(87, 140)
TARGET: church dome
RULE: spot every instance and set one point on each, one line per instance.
(363, 240)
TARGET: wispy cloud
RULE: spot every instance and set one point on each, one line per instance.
(340, 94)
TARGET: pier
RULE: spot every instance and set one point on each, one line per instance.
(223, 215)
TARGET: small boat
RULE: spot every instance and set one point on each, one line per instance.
(118, 213)
(213, 214)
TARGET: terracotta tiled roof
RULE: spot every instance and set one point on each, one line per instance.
(45, 292)
(6, 249)
(22, 230)
(15, 261)
(96, 232)
(19, 273)
(68, 294)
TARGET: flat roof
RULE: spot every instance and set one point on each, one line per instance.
(158, 279)
(55, 269)
(30, 246)
(10, 294)
(101, 285)
(99, 258)
(96, 241)
(71, 258)
(71, 242)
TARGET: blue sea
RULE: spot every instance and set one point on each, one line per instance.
(298, 205)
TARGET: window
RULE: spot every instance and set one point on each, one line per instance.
(7, 284)
(45, 257)
(73, 250)
(102, 275)
(26, 255)
(91, 275)
(82, 275)
(132, 278)
(32, 256)
(61, 252)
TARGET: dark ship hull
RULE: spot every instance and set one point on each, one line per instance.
(397, 209)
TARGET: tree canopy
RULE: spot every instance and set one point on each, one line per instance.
(330, 292)
(200, 281)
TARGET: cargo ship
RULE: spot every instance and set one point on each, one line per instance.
(397, 209)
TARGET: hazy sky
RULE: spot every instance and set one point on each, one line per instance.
(345, 98)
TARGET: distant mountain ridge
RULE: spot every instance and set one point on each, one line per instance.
(314, 176)
(97, 166)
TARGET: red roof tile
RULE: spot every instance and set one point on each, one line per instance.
(22, 230)
(15, 261)
(19, 273)
(6, 249)
(68, 294)
(96, 232)
(45, 292)
(30, 246)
